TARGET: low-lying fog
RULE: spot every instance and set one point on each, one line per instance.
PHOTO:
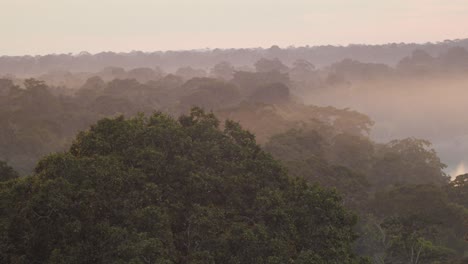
(432, 108)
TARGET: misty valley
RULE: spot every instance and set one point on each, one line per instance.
(328, 154)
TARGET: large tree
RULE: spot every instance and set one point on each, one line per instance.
(408, 161)
(158, 190)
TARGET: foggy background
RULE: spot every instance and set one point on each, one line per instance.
(432, 108)
(409, 90)
(63, 26)
(78, 38)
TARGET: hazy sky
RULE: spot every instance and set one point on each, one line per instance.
(62, 26)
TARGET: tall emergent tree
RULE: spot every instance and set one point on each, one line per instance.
(158, 190)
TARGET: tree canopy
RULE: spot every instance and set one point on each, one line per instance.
(159, 190)
(7, 172)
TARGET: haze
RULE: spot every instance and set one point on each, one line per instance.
(63, 26)
(240, 131)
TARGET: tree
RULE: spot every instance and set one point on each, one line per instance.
(7, 172)
(158, 190)
(458, 190)
(420, 224)
(223, 70)
(209, 94)
(249, 82)
(6, 87)
(274, 65)
(271, 94)
(91, 88)
(304, 76)
(303, 154)
(456, 57)
(302, 68)
(408, 161)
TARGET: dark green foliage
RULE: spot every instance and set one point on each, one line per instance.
(408, 161)
(297, 144)
(7, 172)
(400, 222)
(458, 190)
(157, 190)
(33, 123)
(421, 223)
(353, 151)
(196, 190)
(303, 153)
(41, 119)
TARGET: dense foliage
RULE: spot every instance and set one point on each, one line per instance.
(158, 190)
(408, 210)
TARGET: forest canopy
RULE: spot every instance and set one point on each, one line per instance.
(120, 164)
(158, 190)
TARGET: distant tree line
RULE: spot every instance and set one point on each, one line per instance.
(389, 54)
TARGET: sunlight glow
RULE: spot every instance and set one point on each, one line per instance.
(461, 169)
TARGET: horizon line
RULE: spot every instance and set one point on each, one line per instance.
(207, 49)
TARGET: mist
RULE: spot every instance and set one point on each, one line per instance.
(428, 107)
(227, 132)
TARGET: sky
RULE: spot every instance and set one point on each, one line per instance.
(37, 27)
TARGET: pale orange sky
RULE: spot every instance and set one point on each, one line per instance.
(62, 26)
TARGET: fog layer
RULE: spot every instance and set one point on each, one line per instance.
(433, 108)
